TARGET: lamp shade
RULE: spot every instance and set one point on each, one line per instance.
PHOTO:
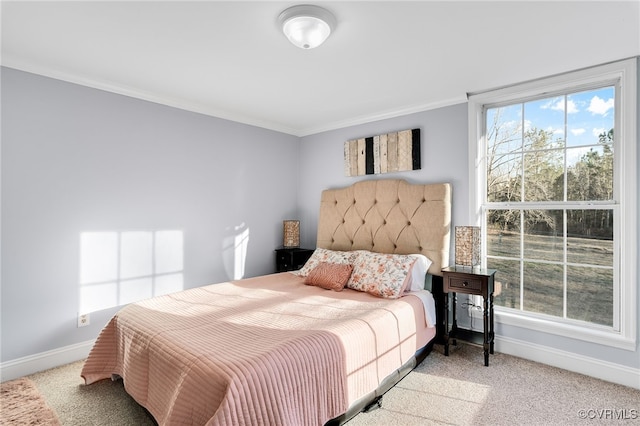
(307, 26)
(291, 233)
(468, 246)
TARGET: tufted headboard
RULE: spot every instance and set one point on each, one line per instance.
(388, 216)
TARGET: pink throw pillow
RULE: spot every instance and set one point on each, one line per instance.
(330, 276)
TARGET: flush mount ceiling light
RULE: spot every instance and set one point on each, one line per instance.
(307, 26)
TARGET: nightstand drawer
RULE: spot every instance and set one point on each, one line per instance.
(474, 281)
(284, 259)
(467, 285)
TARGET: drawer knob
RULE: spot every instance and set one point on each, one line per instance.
(465, 283)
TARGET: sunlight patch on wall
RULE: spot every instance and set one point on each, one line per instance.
(235, 251)
(117, 268)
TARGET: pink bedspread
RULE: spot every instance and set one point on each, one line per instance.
(265, 350)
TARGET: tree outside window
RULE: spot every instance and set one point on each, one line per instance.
(550, 205)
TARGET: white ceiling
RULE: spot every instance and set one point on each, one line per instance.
(230, 59)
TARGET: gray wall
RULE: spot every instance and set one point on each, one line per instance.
(443, 159)
(444, 149)
(76, 160)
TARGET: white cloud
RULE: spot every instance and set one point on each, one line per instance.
(559, 106)
(600, 106)
(577, 132)
(598, 131)
(547, 105)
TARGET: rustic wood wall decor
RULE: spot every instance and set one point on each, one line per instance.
(391, 152)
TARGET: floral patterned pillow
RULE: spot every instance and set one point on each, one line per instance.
(381, 274)
(327, 256)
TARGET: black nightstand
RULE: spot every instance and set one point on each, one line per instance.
(291, 259)
(477, 281)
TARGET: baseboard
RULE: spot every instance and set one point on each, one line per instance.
(593, 367)
(43, 361)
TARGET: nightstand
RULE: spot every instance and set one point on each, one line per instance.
(291, 259)
(475, 281)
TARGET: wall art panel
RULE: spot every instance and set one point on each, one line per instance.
(390, 152)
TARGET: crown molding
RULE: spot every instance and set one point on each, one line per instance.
(200, 108)
(393, 113)
(148, 96)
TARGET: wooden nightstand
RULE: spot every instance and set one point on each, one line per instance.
(291, 259)
(475, 281)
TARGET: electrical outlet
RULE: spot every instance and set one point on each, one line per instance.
(83, 320)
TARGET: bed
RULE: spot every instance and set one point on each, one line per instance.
(309, 347)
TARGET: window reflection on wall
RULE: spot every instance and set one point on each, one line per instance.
(117, 268)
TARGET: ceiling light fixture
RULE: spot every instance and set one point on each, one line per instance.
(307, 26)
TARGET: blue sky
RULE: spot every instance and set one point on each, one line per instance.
(588, 114)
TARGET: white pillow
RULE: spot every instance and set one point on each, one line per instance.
(419, 272)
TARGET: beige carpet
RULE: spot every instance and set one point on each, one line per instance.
(454, 390)
(22, 404)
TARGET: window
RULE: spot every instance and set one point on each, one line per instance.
(554, 192)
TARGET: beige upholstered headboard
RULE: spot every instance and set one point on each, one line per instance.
(388, 216)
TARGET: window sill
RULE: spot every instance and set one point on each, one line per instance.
(594, 335)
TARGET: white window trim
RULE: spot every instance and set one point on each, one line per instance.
(625, 163)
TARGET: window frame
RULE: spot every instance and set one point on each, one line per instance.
(623, 75)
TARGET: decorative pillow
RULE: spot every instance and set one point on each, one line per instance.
(381, 274)
(327, 256)
(330, 276)
(418, 272)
